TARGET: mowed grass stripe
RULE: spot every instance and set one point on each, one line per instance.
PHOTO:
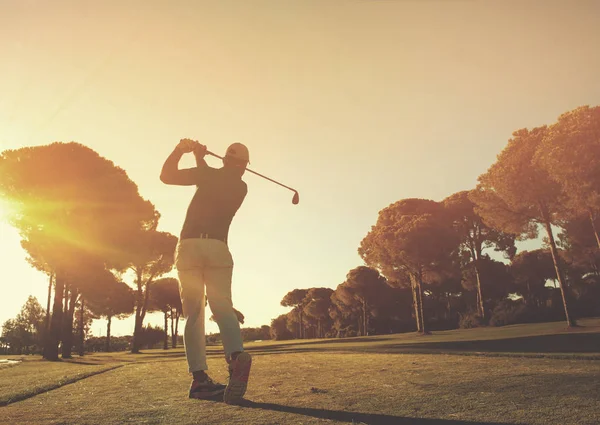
(32, 378)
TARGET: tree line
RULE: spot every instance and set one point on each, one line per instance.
(428, 264)
(84, 224)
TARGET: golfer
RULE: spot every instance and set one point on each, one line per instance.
(203, 260)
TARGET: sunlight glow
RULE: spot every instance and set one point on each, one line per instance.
(7, 208)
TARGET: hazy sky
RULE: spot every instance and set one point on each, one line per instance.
(357, 104)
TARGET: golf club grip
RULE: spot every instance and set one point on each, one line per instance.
(254, 172)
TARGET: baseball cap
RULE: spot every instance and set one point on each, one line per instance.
(238, 151)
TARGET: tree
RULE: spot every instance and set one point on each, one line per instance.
(82, 325)
(364, 283)
(344, 311)
(496, 280)
(154, 257)
(279, 330)
(317, 307)
(23, 333)
(165, 297)
(109, 297)
(82, 278)
(570, 154)
(475, 236)
(150, 336)
(411, 239)
(515, 195)
(531, 270)
(256, 334)
(578, 239)
(297, 300)
(70, 204)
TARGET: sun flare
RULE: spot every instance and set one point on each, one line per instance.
(7, 208)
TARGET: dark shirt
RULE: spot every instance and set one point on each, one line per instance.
(219, 195)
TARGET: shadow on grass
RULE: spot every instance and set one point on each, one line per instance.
(558, 343)
(357, 417)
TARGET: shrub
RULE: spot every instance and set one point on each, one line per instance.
(470, 320)
(509, 312)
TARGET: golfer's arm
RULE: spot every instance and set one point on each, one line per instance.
(171, 174)
(200, 162)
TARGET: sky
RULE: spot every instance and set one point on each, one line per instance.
(356, 104)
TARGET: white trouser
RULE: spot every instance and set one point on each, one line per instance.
(200, 263)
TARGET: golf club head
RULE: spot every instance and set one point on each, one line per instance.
(296, 198)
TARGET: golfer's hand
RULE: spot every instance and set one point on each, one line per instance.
(199, 150)
(239, 315)
(187, 145)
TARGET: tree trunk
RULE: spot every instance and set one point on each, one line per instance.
(413, 285)
(135, 341)
(166, 341)
(302, 333)
(173, 328)
(480, 306)
(53, 337)
(67, 338)
(82, 328)
(594, 227)
(365, 318)
(177, 315)
(559, 275)
(424, 330)
(108, 323)
(47, 324)
(360, 327)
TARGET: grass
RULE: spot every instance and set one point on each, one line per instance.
(34, 376)
(551, 339)
(374, 380)
(329, 387)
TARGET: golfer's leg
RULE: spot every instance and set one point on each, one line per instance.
(191, 290)
(218, 290)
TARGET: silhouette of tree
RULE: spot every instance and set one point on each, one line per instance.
(279, 329)
(531, 270)
(411, 238)
(109, 297)
(297, 300)
(475, 237)
(496, 280)
(165, 297)
(515, 195)
(364, 283)
(344, 311)
(317, 308)
(23, 333)
(579, 241)
(153, 258)
(71, 204)
(570, 154)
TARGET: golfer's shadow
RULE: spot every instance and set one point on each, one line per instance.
(357, 417)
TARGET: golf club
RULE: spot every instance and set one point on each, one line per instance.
(296, 197)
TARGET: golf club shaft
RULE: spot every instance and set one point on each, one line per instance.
(258, 174)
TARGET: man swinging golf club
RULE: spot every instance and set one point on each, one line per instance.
(203, 260)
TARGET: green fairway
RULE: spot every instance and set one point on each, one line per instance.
(371, 380)
(533, 339)
(34, 376)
